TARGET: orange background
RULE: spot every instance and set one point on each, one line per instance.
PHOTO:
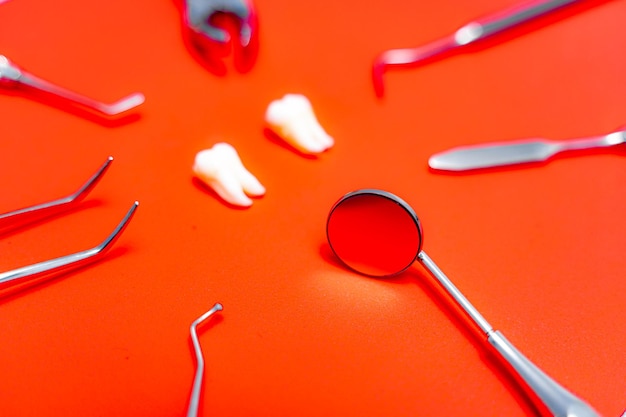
(539, 249)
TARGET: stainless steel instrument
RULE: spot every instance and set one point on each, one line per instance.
(469, 33)
(34, 274)
(11, 76)
(376, 233)
(194, 399)
(508, 153)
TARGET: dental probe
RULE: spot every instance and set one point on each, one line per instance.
(470, 33)
(21, 217)
(28, 275)
(194, 400)
(11, 76)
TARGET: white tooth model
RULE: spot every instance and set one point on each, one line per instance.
(221, 169)
(292, 119)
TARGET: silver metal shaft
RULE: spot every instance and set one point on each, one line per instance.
(12, 75)
(43, 210)
(469, 33)
(557, 399)
(455, 293)
(26, 274)
(194, 399)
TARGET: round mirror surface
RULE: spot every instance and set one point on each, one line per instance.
(374, 233)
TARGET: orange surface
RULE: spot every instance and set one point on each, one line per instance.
(539, 249)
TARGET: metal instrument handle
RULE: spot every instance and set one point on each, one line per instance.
(513, 16)
(557, 399)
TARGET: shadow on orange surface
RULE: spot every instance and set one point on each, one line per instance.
(277, 140)
(201, 186)
(202, 330)
(9, 228)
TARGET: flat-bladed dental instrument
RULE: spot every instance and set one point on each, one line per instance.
(490, 155)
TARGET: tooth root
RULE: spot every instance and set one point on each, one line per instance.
(221, 169)
(229, 188)
(250, 184)
(292, 118)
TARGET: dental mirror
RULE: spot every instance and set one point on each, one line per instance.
(376, 233)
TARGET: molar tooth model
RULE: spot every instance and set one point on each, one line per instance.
(221, 169)
(292, 118)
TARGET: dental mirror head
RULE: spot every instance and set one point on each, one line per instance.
(374, 232)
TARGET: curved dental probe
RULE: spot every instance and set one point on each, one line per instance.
(468, 34)
(11, 76)
(18, 218)
(23, 275)
(194, 399)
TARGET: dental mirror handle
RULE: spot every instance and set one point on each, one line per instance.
(557, 399)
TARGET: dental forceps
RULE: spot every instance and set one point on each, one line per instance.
(12, 76)
(468, 34)
(205, 21)
(18, 218)
(194, 399)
